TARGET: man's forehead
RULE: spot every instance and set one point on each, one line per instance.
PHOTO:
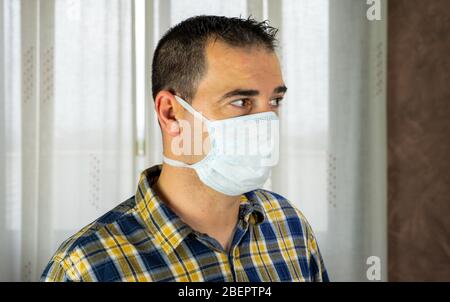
(232, 67)
(220, 54)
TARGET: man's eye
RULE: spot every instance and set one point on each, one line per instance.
(276, 102)
(240, 102)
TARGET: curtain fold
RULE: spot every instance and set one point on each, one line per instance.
(333, 143)
(69, 145)
(357, 142)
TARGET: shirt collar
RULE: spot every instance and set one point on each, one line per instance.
(166, 227)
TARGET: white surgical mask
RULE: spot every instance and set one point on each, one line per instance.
(243, 151)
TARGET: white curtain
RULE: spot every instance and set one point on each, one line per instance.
(70, 150)
(67, 123)
(333, 158)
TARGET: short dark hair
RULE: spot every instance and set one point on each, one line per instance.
(179, 60)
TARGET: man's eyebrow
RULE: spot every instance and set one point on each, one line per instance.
(280, 89)
(250, 92)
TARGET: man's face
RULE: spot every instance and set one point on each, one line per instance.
(239, 82)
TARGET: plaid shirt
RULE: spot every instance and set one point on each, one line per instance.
(143, 240)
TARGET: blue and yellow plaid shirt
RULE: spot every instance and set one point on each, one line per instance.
(143, 240)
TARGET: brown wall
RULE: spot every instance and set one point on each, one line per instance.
(419, 139)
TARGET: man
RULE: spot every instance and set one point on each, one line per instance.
(202, 216)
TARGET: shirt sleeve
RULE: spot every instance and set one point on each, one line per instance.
(318, 272)
(57, 271)
(316, 263)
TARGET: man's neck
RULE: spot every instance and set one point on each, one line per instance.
(202, 208)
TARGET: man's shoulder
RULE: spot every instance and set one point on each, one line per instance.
(94, 240)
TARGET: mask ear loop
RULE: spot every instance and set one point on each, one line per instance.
(176, 163)
(191, 109)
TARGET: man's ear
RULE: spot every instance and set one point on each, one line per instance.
(164, 106)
